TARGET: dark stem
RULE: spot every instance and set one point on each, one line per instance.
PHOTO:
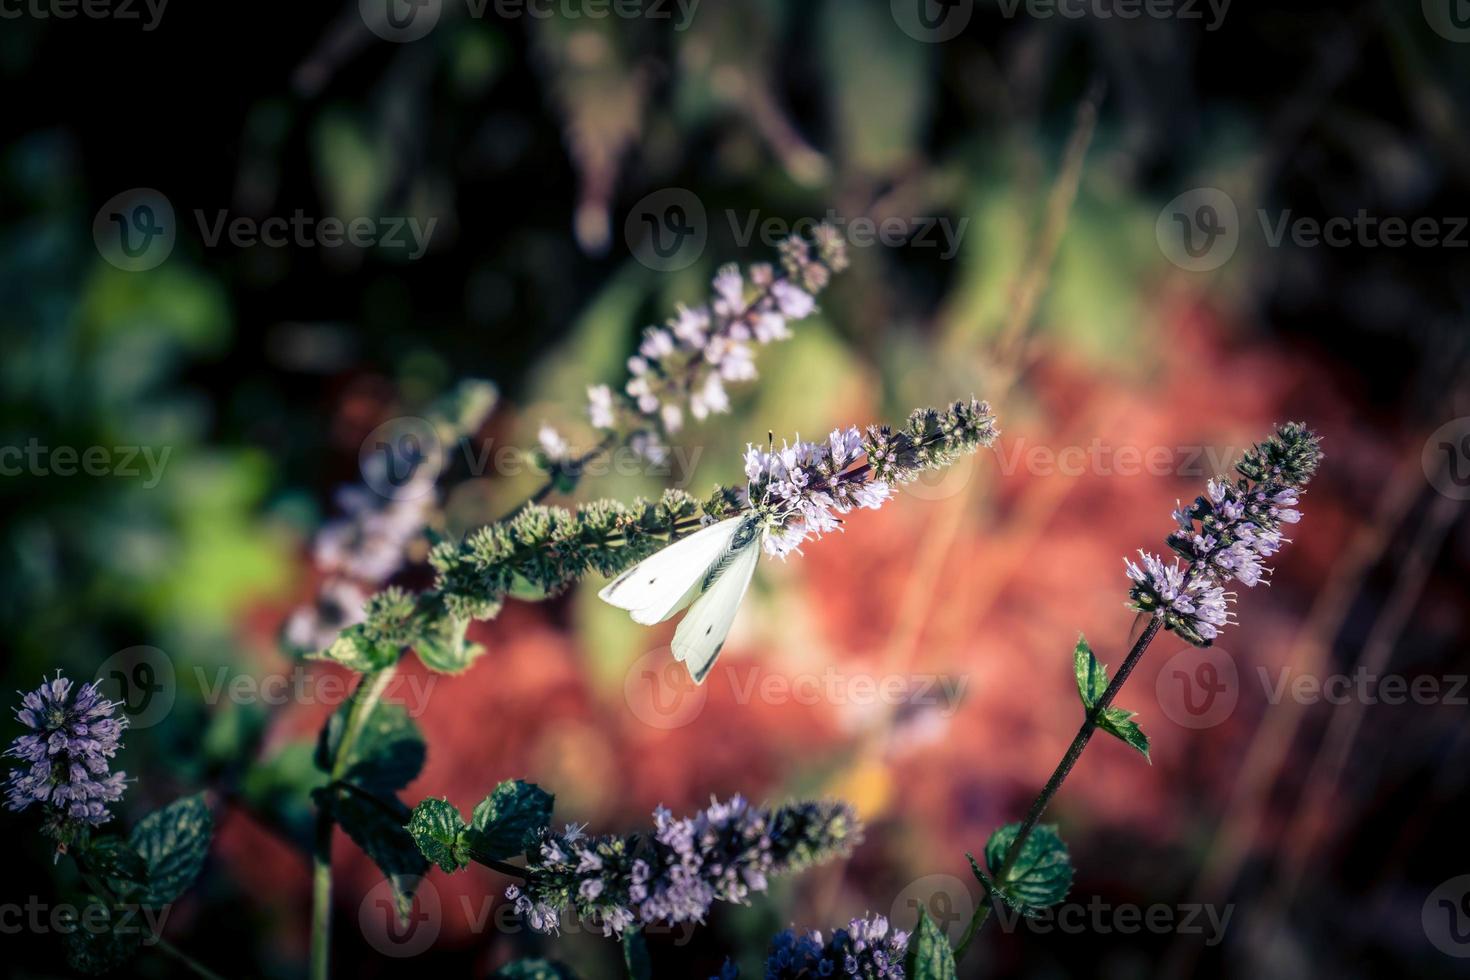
(1059, 776)
(572, 467)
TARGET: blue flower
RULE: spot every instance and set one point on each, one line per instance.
(867, 948)
(1225, 535)
(725, 853)
(67, 750)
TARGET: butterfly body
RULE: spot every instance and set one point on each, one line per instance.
(708, 572)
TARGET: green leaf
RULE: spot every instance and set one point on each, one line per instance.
(506, 821)
(116, 859)
(443, 649)
(1092, 683)
(1118, 721)
(173, 842)
(387, 754)
(534, 970)
(929, 956)
(437, 829)
(1092, 677)
(1041, 875)
(355, 650)
(102, 939)
(377, 826)
(635, 955)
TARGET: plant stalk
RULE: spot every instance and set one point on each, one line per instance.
(1059, 776)
(364, 700)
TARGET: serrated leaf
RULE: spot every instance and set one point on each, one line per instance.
(387, 754)
(635, 955)
(1119, 722)
(534, 970)
(1041, 874)
(355, 651)
(928, 956)
(506, 822)
(1092, 683)
(437, 829)
(95, 949)
(377, 826)
(117, 860)
(1092, 677)
(173, 843)
(443, 648)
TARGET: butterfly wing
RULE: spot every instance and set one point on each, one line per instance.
(700, 636)
(666, 581)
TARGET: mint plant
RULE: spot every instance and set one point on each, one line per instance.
(675, 872)
(74, 734)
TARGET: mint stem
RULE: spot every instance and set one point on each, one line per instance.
(364, 700)
(1059, 776)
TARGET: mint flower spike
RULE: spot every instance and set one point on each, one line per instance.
(682, 368)
(1225, 536)
(68, 749)
(798, 490)
(368, 543)
(867, 948)
(726, 852)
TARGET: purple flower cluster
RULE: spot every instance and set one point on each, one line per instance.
(867, 948)
(724, 853)
(684, 366)
(1225, 536)
(380, 519)
(800, 490)
(67, 749)
(359, 551)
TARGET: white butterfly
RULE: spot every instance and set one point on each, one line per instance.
(710, 569)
